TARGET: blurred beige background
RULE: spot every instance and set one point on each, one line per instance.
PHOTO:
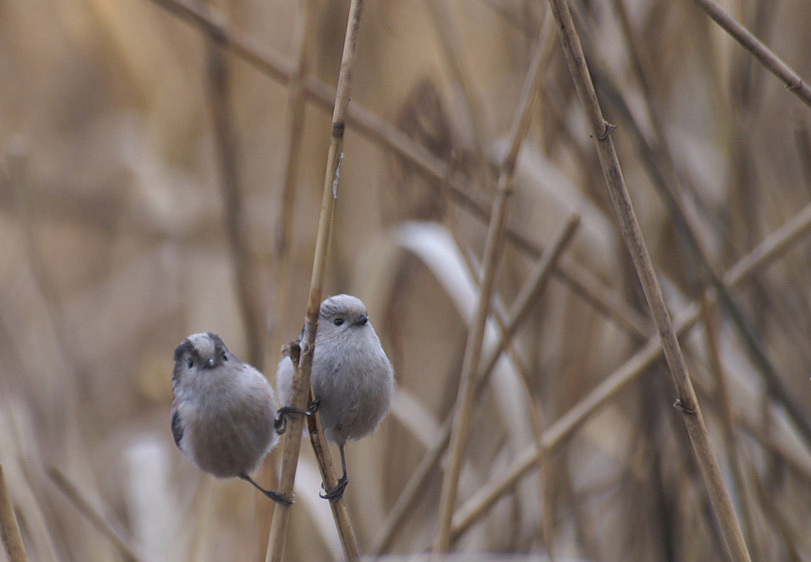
(114, 246)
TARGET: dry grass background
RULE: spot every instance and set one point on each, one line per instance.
(116, 244)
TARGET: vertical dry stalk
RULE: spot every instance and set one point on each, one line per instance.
(532, 288)
(767, 251)
(302, 390)
(762, 53)
(234, 217)
(698, 255)
(12, 539)
(559, 431)
(470, 365)
(473, 349)
(527, 295)
(733, 452)
(632, 236)
(581, 280)
(294, 132)
(507, 328)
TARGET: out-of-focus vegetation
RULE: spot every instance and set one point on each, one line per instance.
(115, 245)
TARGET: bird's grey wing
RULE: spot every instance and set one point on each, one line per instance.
(177, 427)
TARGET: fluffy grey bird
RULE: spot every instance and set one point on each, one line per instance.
(224, 410)
(352, 377)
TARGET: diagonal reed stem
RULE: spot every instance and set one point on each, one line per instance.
(96, 519)
(766, 252)
(507, 329)
(632, 235)
(303, 31)
(294, 123)
(302, 389)
(732, 449)
(473, 350)
(774, 64)
(528, 294)
(580, 279)
(699, 257)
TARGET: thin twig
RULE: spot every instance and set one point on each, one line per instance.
(803, 141)
(532, 288)
(500, 318)
(473, 349)
(12, 540)
(733, 451)
(778, 445)
(528, 294)
(641, 65)
(84, 506)
(535, 413)
(698, 256)
(272, 64)
(767, 58)
(582, 281)
(761, 256)
(643, 70)
(302, 389)
(470, 365)
(233, 210)
(771, 248)
(632, 235)
(507, 329)
(294, 122)
(303, 31)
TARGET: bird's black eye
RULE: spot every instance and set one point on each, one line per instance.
(225, 357)
(338, 321)
(190, 363)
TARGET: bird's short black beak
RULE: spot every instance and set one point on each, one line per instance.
(210, 363)
(361, 321)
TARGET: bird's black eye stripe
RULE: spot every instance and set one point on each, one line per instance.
(338, 321)
(190, 363)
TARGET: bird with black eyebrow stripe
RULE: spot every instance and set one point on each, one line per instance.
(352, 378)
(224, 411)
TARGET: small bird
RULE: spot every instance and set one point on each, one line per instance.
(224, 411)
(352, 378)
